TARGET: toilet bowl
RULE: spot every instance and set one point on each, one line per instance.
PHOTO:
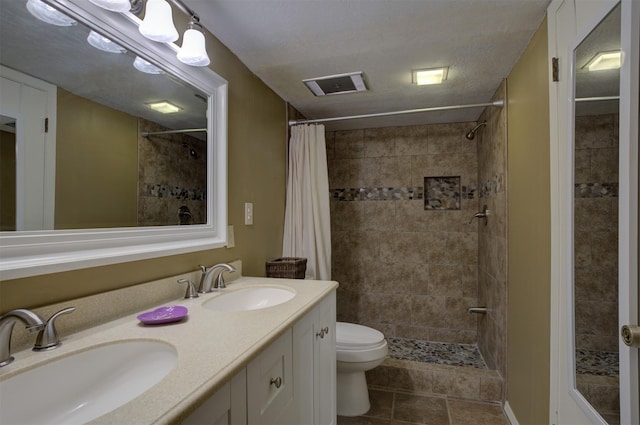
(358, 349)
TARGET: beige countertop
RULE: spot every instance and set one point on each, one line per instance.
(212, 347)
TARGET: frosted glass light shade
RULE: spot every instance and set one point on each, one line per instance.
(146, 67)
(193, 51)
(48, 14)
(158, 22)
(113, 5)
(103, 43)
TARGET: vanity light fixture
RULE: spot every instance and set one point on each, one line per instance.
(48, 14)
(113, 5)
(164, 107)
(423, 77)
(146, 67)
(604, 60)
(103, 43)
(193, 51)
(157, 24)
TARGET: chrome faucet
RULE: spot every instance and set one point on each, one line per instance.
(206, 281)
(47, 338)
(7, 322)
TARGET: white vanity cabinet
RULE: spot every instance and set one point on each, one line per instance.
(292, 381)
(228, 406)
(314, 364)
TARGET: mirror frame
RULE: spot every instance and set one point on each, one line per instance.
(31, 253)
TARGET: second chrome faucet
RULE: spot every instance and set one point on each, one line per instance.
(206, 280)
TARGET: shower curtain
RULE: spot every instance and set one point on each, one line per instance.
(307, 231)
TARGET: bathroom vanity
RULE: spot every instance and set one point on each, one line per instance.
(271, 365)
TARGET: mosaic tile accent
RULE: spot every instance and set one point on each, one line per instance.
(436, 352)
(166, 191)
(492, 186)
(389, 193)
(600, 363)
(442, 193)
(596, 190)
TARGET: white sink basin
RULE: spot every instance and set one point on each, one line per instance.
(84, 385)
(253, 298)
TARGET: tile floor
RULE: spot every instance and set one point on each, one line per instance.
(399, 408)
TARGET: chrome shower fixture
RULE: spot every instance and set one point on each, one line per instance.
(192, 151)
(472, 134)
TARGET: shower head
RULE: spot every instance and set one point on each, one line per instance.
(192, 151)
(472, 133)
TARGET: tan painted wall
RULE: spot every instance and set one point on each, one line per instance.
(529, 234)
(96, 165)
(257, 162)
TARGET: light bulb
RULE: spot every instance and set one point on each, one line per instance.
(193, 51)
(158, 22)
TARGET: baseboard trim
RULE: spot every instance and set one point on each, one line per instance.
(510, 415)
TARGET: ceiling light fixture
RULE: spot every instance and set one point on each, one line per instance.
(146, 67)
(103, 43)
(193, 51)
(113, 5)
(48, 14)
(423, 77)
(604, 60)
(157, 24)
(164, 107)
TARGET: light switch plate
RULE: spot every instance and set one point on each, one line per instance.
(248, 213)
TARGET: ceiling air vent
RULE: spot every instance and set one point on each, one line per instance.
(336, 84)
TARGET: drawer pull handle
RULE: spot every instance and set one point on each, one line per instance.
(276, 381)
(326, 330)
(321, 333)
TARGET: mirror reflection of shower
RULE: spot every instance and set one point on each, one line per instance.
(192, 151)
(472, 133)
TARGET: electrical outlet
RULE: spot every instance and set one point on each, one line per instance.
(248, 213)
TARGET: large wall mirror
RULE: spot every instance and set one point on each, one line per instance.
(595, 218)
(112, 150)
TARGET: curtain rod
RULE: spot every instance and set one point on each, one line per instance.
(186, 130)
(498, 103)
(596, 99)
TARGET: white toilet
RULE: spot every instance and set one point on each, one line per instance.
(358, 349)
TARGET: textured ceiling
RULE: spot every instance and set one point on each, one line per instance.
(286, 41)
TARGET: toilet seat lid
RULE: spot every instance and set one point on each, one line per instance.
(351, 335)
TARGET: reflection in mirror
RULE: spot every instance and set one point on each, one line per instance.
(597, 64)
(116, 163)
(7, 173)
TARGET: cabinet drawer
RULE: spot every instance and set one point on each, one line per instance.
(270, 384)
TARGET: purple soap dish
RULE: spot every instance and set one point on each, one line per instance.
(161, 315)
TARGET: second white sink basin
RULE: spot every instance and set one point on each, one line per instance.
(253, 298)
(85, 385)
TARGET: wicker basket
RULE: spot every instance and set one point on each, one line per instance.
(287, 267)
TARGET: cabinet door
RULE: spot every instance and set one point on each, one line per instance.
(270, 384)
(325, 363)
(304, 335)
(228, 406)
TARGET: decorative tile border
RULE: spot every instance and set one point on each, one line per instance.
(492, 186)
(166, 191)
(442, 193)
(389, 193)
(596, 190)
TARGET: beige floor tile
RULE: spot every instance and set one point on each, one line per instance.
(475, 413)
(381, 404)
(420, 409)
(362, 420)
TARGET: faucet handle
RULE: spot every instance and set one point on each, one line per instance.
(48, 339)
(192, 292)
(220, 281)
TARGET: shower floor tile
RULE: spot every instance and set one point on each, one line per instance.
(436, 352)
(601, 363)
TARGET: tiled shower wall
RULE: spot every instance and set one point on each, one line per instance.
(492, 237)
(596, 232)
(169, 177)
(404, 270)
